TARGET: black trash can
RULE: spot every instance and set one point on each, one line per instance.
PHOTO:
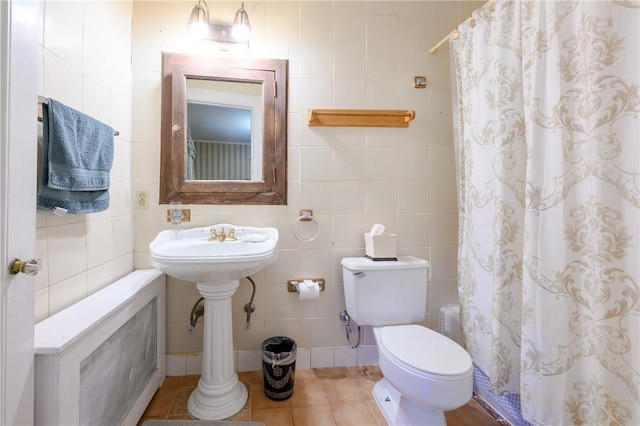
(279, 367)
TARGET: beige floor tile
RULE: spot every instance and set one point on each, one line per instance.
(247, 405)
(371, 372)
(179, 405)
(332, 373)
(307, 373)
(317, 415)
(273, 416)
(366, 388)
(172, 382)
(344, 390)
(190, 380)
(353, 414)
(308, 392)
(160, 403)
(252, 377)
(242, 415)
(373, 406)
(326, 396)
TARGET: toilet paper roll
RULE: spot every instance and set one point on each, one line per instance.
(308, 290)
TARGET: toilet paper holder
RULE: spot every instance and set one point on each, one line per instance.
(293, 285)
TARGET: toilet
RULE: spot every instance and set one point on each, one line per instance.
(425, 373)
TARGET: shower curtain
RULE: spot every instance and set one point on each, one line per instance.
(547, 143)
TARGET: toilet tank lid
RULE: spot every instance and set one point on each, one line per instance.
(365, 264)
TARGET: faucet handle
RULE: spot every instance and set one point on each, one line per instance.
(221, 235)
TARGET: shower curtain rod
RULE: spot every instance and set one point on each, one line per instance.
(455, 33)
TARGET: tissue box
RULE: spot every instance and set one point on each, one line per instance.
(380, 247)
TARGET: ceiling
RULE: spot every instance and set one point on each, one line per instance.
(219, 123)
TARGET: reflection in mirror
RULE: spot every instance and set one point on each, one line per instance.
(224, 130)
(224, 138)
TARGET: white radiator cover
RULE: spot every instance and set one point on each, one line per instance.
(85, 353)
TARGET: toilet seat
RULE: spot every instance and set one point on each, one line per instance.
(424, 352)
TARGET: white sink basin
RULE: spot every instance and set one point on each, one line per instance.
(192, 255)
(216, 266)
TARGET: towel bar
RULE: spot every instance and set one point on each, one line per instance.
(43, 100)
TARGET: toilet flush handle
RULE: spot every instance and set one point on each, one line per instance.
(359, 274)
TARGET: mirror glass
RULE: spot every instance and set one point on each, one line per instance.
(224, 130)
(223, 138)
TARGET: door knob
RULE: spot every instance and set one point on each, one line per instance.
(29, 267)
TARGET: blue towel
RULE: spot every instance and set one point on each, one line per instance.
(77, 154)
(77, 202)
(80, 149)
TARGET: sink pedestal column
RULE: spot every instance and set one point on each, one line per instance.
(219, 394)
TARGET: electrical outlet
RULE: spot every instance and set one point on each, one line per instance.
(142, 199)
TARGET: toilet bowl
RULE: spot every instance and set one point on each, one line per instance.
(425, 374)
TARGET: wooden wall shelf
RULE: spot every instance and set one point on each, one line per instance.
(360, 117)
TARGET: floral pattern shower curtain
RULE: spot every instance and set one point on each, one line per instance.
(548, 145)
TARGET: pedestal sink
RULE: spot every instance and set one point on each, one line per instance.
(215, 258)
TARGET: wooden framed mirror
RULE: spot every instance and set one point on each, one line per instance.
(204, 157)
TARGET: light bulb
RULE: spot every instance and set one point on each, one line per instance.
(241, 32)
(199, 30)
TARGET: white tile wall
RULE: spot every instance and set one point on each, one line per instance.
(86, 63)
(104, 58)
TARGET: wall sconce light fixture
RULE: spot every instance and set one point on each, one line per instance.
(202, 29)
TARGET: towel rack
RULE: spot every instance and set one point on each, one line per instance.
(43, 100)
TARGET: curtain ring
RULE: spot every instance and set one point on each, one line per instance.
(306, 216)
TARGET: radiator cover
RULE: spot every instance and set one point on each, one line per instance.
(114, 375)
(99, 361)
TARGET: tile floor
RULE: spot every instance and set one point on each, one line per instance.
(322, 396)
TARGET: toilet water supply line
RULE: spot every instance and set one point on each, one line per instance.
(198, 310)
(344, 316)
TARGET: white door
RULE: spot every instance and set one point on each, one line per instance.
(18, 150)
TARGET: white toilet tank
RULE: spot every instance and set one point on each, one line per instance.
(381, 293)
